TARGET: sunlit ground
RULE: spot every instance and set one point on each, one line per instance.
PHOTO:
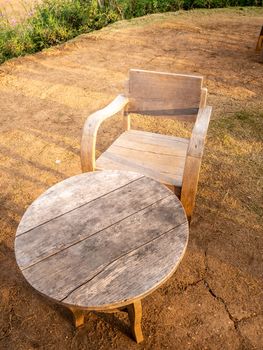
(214, 300)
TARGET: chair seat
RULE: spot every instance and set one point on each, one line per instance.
(160, 157)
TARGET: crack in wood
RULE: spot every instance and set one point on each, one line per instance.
(76, 208)
(130, 252)
(95, 233)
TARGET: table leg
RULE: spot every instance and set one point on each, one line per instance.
(78, 316)
(135, 316)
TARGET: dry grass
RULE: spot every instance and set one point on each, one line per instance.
(236, 151)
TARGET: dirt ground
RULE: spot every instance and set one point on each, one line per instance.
(214, 300)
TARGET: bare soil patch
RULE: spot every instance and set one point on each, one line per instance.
(214, 300)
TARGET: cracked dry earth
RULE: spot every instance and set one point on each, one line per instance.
(214, 300)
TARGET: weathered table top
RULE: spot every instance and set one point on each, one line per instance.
(101, 240)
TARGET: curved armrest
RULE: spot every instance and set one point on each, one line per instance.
(193, 160)
(91, 126)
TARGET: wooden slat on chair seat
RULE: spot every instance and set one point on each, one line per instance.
(158, 156)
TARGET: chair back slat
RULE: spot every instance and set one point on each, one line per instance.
(169, 95)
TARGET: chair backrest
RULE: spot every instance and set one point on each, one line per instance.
(176, 96)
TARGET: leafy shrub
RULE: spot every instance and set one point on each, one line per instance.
(136, 8)
(50, 23)
(54, 21)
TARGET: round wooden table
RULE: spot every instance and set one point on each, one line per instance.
(102, 241)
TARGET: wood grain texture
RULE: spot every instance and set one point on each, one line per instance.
(164, 94)
(204, 94)
(84, 221)
(76, 262)
(101, 253)
(90, 129)
(158, 156)
(138, 272)
(149, 138)
(190, 183)
(70, 194)
(197, 140)
(115, 162)
(193, 160)
(135, 316)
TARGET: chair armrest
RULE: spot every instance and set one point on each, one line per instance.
(193, 160)
(90, 129)
(197, 140)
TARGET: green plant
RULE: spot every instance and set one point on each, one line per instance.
(55, 21)
(52, 22)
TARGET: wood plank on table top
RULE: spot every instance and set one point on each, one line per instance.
(80, 223)
(113, 161)
(135, 274)
(70, 194)
(61, 273)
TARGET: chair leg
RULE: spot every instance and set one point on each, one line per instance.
(189, 186)
(261, 56)
(260, 41)
(78, 317)
(135, 317)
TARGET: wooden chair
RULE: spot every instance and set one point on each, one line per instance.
(171, 160)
